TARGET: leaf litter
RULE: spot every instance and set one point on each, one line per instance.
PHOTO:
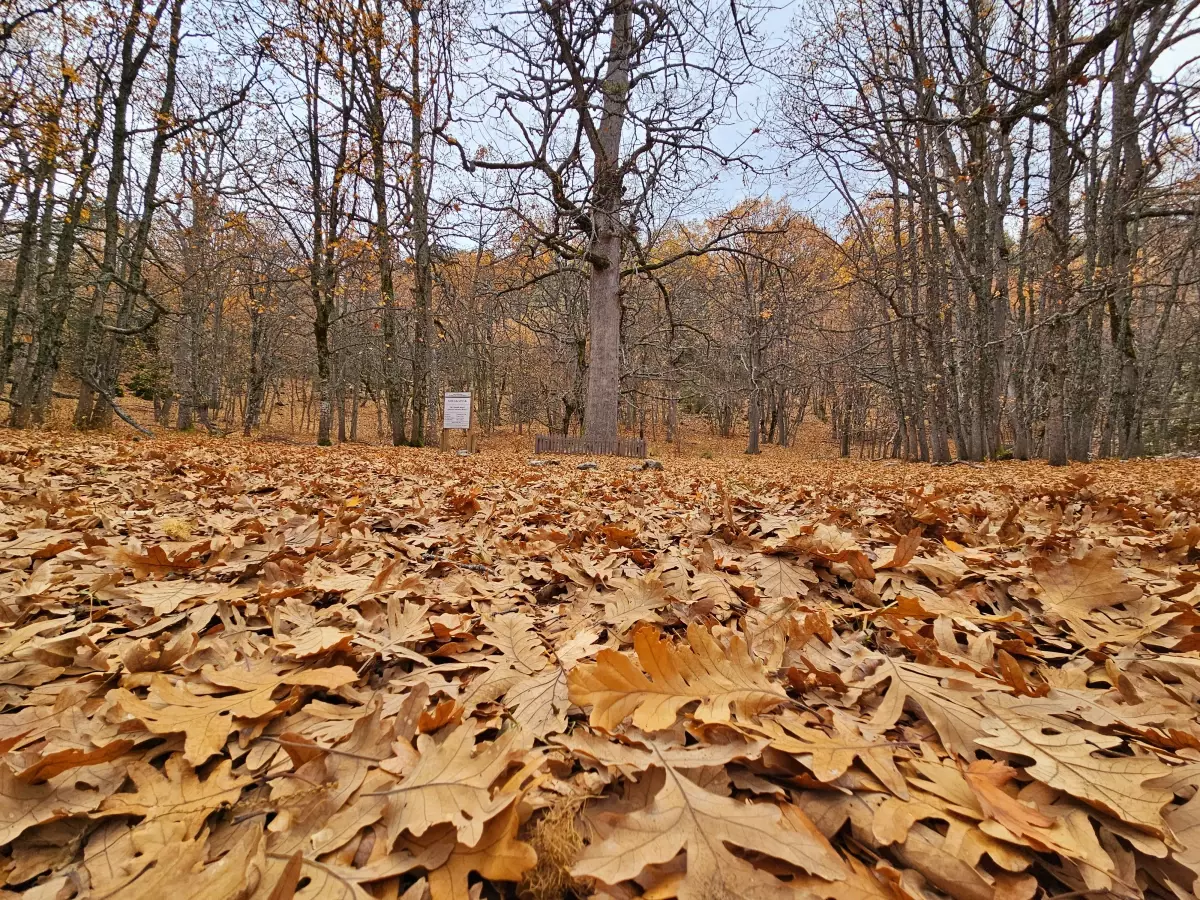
(239, 670)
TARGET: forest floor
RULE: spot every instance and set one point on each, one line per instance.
(289, 422)
(256, 669)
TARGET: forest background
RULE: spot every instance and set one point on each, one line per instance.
(910, 229)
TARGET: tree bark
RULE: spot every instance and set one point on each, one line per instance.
(1058, 279)
(604, 284)
(92, 337)
(425, 329)
(376, 123)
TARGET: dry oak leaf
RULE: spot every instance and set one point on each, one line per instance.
(165, 597)
(860, 884)
(39, 543)
(1066, 760)
(829, 542)
(406, 623)
(829, 756)
(906, 548)
(154, 562)
(452, 783)
(176, 800)
(497, 856)
(700, 671)
(25, 805)
(1023, 823)
(285, 884)
(684, 816)
(632, 758)
(717, 592)
(949, 862)
(338, 876)
(949, 698)
(13, 639)
(533, 687)
(1074, 589)
(1072, 836)
(986, 779)
(72, 758)
(318, 880)
(1185, 823)
(181, 869)
(539, 702)
(310, 642)
(779, 577)
(635, 601)
(207, 720)
(514, 635)
(110, 858)
(46, 848)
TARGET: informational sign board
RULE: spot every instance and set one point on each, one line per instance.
(456, 411)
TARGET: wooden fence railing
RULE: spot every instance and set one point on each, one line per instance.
(585, 446)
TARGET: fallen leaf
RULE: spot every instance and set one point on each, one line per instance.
(700, 670)
(685, 817)
(1068, 760)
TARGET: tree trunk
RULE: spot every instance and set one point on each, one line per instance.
(422, 259)
(393, 386)
(1124, 182)
(95, 347)
(26, 250)
(1058, 279)
(754, 421)
(604, 284)
(31, 396)
(324, 379)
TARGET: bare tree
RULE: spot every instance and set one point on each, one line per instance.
(609, 109)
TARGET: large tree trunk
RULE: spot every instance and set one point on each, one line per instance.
(26, 250)
(324, 380)
(393, 384)
(1058, 279)
(422, 259)
(33, 390)
(1123, 185)
(754, 421)
(604, 285)
(256, 386)
(604, 324)
(92, 337)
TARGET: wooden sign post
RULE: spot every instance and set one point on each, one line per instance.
(457, 416)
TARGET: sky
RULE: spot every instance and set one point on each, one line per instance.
(778, 174)
(778, 179)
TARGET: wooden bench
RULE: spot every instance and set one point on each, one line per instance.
(585, 446)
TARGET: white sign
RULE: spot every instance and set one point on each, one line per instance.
(456, 411)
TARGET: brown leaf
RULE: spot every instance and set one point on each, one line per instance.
(207, 720)
(24, 805)
(452, 782)
(685, 817)
(906, 549)
(780, 577)
(634, 602)
(175, 801)
(496, 855)
(61, 761)
(1066, 759)
(947, 697)
(285, 886)
(183, 866)
(1072, 591)
(987, 779)
(699, 671)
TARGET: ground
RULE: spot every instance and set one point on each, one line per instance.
(255, 668)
